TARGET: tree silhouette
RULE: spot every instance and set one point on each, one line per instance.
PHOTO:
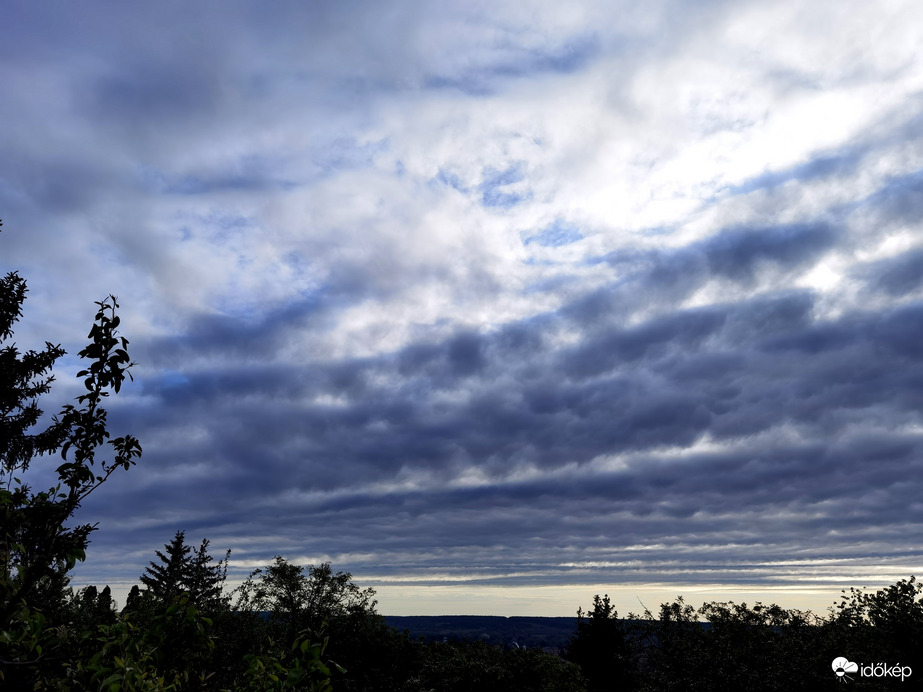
(600, 646)
(204, 580)
(37, 548)
(181, 570)
(303, 597)
(167, 580)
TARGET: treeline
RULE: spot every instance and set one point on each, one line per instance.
(290, 627)
(293, 627)
(730, 647)
(287, 627)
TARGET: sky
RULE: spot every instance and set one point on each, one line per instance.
(494, 305)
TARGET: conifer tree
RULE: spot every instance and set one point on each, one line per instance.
(167, 579)
(133, 602)
(205, 581)
(182, 570)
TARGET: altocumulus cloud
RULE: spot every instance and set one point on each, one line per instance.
(575, 295)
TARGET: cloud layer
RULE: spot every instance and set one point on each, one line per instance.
(572, 295)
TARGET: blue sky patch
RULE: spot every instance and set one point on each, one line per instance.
(492, 187)
(557, 234)
(448, 178)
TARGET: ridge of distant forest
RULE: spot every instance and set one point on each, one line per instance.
(521, 630)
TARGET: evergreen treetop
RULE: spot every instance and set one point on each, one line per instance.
(182, 570)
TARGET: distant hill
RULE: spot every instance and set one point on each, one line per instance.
(529, 632)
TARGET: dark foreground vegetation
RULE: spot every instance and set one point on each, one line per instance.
(292, 627)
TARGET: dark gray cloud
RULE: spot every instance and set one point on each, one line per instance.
(896, 276)
(833, 165)
(741, 372)
(730, 372)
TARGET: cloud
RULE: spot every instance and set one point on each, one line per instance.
(576, 294)
(896, 276)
